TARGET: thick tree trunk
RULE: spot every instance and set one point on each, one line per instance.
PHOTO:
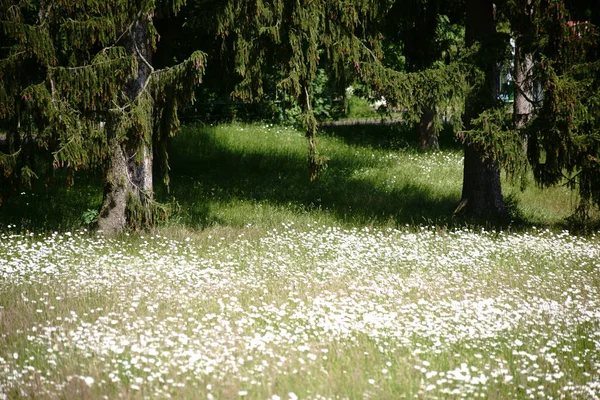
(128, 192)
(428, 140)
(128, 187)
(482, 193)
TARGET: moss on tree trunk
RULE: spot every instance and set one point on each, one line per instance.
(128, 194)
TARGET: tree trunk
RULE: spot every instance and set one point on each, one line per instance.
(523, 107)
(428, 140)
(128, 192)
(523, 81)
(523, 69)
(482, 193)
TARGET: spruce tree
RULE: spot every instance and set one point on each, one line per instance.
(564, 136)
(347, 36)
(482, 193)
(78, 91)
(560, 125)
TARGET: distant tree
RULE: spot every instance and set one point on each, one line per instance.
(427, 36)
(520, 14)
(78, 90)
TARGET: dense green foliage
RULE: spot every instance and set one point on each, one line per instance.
(565, 137)
(561, 139)
(66, 69)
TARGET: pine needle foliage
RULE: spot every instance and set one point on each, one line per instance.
(442, 88)
(344, 37)
(493, 134)
(65, 70)
(565, 137)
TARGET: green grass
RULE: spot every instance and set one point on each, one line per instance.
(233, 175)
(240, 174)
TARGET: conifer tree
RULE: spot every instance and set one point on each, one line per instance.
(564, 136)
(561, 129)
(296, 35)
(482, 193)
(78, 90)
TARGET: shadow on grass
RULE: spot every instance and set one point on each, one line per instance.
(206, 172)
(393, 136)
(209, 176)
(55, 207)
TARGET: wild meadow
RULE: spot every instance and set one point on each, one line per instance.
(263, 285)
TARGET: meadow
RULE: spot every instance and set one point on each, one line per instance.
(266, 286)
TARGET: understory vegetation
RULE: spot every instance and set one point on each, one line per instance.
(264, 285)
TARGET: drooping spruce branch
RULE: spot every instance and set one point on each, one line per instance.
(172, 88)
(442, 88)
(66, 68)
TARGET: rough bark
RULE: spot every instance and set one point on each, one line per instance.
(523, 81)
(523, 106)
(128, 192)
(482, 193)
(523, 68)
(428, 139)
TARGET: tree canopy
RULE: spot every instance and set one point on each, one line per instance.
(77, 87)
(565, 135)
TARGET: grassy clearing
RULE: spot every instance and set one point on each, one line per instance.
(266, 286)
(230, 176)
(240, 174)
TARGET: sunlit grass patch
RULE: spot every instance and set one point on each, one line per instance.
(232, 175)
(239, 174)
(307, 310)
(229, 176)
